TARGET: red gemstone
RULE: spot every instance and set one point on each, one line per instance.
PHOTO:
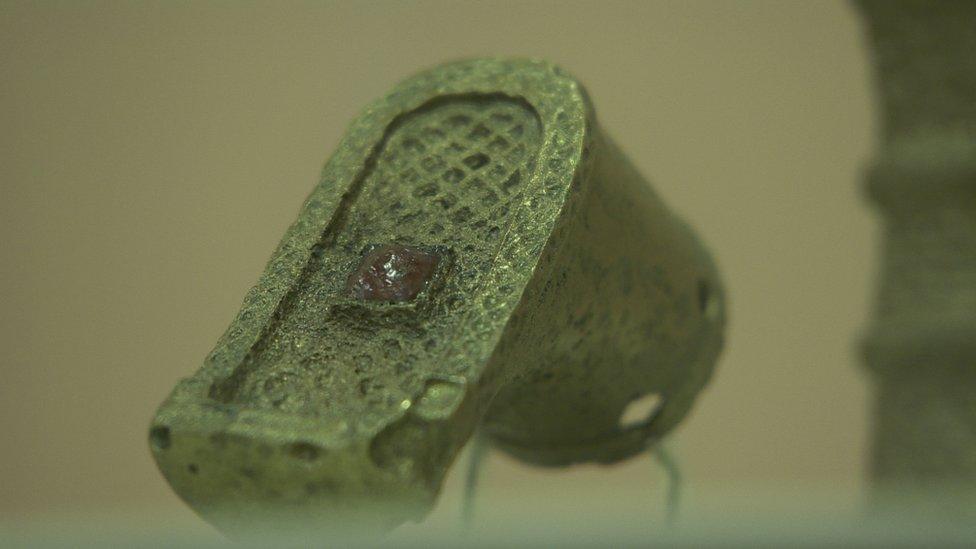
(392, 273)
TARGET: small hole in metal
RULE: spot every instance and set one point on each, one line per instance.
(708, 305)
(304, 451)
(641, 411)
(159, 438)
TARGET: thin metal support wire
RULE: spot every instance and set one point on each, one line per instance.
(479, 450)
(670, 466)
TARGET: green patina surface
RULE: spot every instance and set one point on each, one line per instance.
(549, 288)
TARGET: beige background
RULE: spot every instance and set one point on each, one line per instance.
(152, 154)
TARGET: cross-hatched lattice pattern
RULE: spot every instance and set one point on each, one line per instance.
(447, 176)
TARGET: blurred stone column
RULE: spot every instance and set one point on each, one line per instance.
(921, 347)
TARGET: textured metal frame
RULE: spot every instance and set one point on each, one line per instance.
(594, 296)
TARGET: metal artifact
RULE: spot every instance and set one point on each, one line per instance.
(477, 255)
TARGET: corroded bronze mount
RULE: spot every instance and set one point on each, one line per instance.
(477, 255)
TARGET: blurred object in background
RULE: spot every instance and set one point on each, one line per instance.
(921, 349)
